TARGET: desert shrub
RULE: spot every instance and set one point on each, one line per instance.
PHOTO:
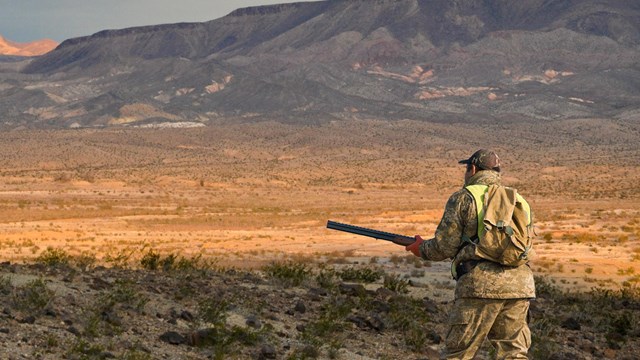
(365, 275)
(288, 273)
(124, 293)
(396, 259)
(82, 349)
(402, 317)
(120, 260)
(53, 257)
(213, 311)
(305, 352)
(33, 297)
(545, 289)
(193, 263)
(330, 323)
(84, 261)
(327, 278)
(154, 261)
(542, 338)
(396, 283)
(6, 287)
(150, 260)
(103, 317)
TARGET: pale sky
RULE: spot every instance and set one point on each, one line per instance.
(29, 20)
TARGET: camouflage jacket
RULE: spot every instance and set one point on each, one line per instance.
(488, 279)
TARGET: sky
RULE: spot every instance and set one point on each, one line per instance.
(30, 20)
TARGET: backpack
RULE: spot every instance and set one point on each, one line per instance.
(505, 226)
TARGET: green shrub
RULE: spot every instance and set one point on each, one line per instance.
(84, 261)
(86, 350)
(364, 275)
(402, 317)
(33, 297)
(154, 261)
(289, 273)
(150, 260)
(53, 257)
(213, 311)
(6, 287)
(396, 283)
(327, 278)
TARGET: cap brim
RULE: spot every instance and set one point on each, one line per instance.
(465, 161)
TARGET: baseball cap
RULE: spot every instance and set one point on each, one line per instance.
(484, 159)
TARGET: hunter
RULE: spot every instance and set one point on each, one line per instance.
(491, 299)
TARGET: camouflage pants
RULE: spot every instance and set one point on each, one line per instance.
(503, 322)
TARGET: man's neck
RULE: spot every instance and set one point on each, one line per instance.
(484, 177)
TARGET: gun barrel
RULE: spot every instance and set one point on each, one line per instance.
(376, 234)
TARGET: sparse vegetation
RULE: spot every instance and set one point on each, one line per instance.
(288, 273)
(53, 257)
(33, 297)
(365, 275)
(212, 216)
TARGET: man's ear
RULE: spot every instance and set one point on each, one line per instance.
(473, 169)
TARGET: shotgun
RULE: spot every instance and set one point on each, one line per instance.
(379, 235)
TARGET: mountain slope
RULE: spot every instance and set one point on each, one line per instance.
(441, 60)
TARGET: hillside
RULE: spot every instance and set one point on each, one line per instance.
(472, 61)
(185, 309)
(34, 48)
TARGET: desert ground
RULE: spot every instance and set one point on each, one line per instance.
(248, 194)
(245, 195)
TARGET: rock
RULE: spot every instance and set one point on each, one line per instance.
(74, 330)
(254, 322)
(372, 322)
(202, 337)
(352, 289)
(28, 320)
(376, 323)
(381, 306)
(431, 354)
(300, 307)
(316, 293)
(173, 338)
(430, 306)
(610, 353)
(111, 317)
(571, 323)
(385, 294)
(434, 337)
(186, 316)
(267, 352)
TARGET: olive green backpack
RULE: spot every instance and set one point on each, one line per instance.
(505, 225)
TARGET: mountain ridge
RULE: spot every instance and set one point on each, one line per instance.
(316, 61)
(33, 48)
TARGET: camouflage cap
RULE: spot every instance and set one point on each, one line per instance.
(483, 159)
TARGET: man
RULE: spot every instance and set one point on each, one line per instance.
(491, 300)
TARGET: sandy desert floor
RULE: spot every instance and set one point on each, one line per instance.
(112, 196)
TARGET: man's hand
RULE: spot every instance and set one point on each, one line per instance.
(415, 247)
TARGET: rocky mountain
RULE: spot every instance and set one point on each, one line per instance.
(437, 60)
(34, 48)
